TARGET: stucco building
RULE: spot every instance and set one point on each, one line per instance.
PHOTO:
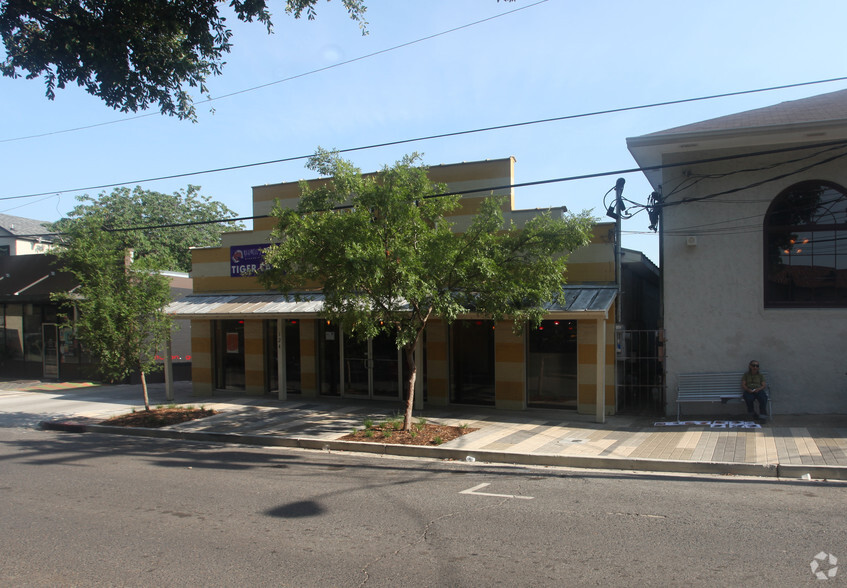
(23, 236)
(754, 247)
(248, 340)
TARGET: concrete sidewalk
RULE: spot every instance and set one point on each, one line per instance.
(789, 446)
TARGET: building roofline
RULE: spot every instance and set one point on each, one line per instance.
(442, 166)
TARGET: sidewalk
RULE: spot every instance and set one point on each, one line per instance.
(788, 446)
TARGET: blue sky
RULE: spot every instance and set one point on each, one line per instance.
(550, 59)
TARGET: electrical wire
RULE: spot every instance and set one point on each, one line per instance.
(541, 182)
(699, 178)
(666, 204)
(640, 208)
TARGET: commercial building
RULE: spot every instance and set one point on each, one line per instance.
(246, 339)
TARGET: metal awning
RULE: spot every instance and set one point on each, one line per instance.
(580, 299)
(222, 306)
(577, 300)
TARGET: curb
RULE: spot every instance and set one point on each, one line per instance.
(781, 471)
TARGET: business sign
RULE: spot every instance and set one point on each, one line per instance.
(247, 260)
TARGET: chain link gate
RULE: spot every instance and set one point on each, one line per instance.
(639, 372)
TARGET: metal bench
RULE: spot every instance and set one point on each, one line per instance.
(713, 387)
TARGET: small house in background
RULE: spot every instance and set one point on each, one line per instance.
(34, 345)
(249, 340)
(23, 236)
(754, 247)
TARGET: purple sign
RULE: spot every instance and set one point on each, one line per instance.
(246, 260)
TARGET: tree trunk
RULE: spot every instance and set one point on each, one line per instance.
(144, 390)
(410, 385)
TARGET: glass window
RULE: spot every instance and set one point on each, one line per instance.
(229, 355)
(472, 366)
(329, 358)
(32, 333)
(292, 356)
(806, 247)
(552, 365)
(13, 331)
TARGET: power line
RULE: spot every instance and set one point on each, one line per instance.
(842, 143)
(423, 138)
(829, 144)
(756, 184)
(288, 79)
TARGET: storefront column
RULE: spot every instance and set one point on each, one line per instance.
(600, 393)
(202, 357)
(437, 363)
(254, 358)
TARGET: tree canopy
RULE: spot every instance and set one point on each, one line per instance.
(131, 53)
(388, 260)
(164, 247)
(119, 309)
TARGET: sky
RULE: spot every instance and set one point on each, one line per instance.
(505, 63)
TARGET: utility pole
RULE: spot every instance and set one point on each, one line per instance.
(618, 254)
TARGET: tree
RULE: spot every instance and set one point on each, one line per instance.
(388, 260)
(162, 247)
(131, 53)
(119, 311)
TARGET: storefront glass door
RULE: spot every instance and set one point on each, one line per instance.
(229, 355)
(290, 347)
(356, 367)
(472, 361)
(552, 365)
(293, 384)
(370, 368)
(329, 354)
(386, 367)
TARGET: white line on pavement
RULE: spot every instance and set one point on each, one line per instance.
(483, 485)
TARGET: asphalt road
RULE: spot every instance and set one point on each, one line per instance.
(93, 510)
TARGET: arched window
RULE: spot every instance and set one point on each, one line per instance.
(806, 247)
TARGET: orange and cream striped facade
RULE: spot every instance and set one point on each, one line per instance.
(244, 339)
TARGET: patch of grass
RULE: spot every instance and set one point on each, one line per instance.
(437, 441)
(369, 423)
(369, 433)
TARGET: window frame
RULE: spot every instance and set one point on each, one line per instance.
(769, 229)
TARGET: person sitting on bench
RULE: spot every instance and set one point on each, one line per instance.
(753, 384)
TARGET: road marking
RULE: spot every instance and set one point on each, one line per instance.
(483, 485)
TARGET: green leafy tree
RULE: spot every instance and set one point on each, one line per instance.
(167, 247)
(388, 260)
(118, 308)
(131, 53)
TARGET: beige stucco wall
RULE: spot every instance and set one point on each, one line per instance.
(24, 246)
(594, 263)
(714, 299)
